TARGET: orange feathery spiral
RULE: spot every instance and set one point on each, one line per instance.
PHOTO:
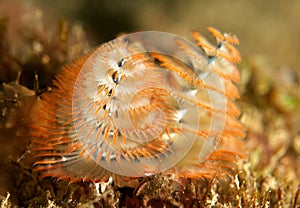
(142, 104)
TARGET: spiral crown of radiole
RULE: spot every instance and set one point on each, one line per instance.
(142, 104)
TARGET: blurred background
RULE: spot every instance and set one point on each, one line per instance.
(38, 37)
(265, 28)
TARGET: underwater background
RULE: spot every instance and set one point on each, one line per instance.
(38, 37)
